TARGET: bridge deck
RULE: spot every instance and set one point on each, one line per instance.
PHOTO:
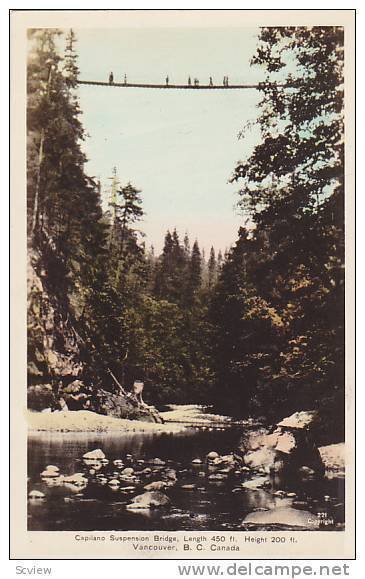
(172, 86)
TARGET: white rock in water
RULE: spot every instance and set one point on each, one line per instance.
(217, 477)
(127, 471)
(49, 473)
(282, 516)
(279, 494)
(53, 468)
(94, 454)
(196, 461)
(157, 462)
(157, 485)
(212, 455)
(153, 499)
(114, 483)
(77, 478)
(146, 471)
(228, 459)
(36, 495)
(256, 483)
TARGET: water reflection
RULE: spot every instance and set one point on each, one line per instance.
(198, 502)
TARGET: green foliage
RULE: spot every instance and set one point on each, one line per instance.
(260, 331)
(63, 203)
(280, 298)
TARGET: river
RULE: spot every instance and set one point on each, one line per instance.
(197, 503)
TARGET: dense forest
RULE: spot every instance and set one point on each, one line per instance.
(256, 332)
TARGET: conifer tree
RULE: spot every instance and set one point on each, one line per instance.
(195, 269)
(63, 202)
(292, 187)
(212, 268)
(172, 269)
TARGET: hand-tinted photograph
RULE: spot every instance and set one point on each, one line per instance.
(186, 276)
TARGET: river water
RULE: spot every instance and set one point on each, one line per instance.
(220, 505)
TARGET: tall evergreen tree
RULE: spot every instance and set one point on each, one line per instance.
(187, 246)
(171, 270)
(126, 212)
(292, 186)
(63, 202)
(66, 236)
(212, 268)
(195, 269)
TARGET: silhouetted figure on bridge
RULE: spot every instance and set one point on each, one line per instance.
(125, 79)
(189, 81)
(111, 78)
(167, 81)
(196, 82)
(210, 81)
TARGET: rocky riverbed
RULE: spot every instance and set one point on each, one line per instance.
(185, 486)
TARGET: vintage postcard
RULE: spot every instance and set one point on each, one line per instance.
(182, 191)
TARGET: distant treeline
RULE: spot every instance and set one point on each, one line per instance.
(259, 331)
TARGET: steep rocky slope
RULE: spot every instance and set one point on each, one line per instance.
(57, 377)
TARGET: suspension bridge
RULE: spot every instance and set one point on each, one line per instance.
(169, 86)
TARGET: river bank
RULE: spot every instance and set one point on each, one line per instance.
(175, 419)
(87, 421)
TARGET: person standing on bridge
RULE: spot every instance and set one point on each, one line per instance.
(111, 78)
(189, 81)
(125, 79)
(210, 81)
(167, 81)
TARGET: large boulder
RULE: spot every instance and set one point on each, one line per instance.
(295, 448)
(282, 516)
(158, 485)
(96, 454)
(333, 458)
(122, 406)
(262, 458)
(149, 500)
(303, 419)
(288, 448)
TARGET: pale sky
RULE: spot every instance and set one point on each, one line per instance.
(178, 147)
